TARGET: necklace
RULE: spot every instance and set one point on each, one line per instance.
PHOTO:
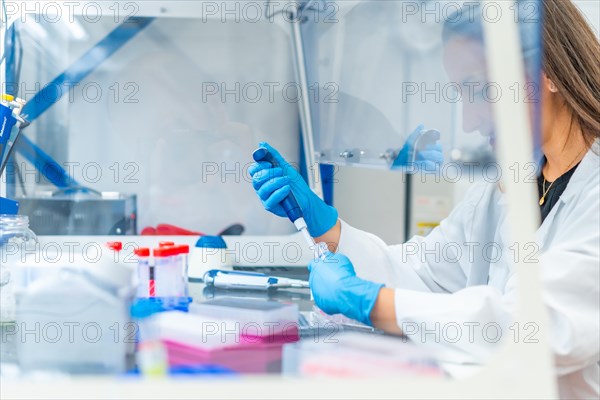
(543, 199)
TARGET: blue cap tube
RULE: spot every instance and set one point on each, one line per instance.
(289, 204)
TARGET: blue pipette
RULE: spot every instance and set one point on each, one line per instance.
(290, 205)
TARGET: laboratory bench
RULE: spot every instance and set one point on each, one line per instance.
(123, 387)
(199, 292)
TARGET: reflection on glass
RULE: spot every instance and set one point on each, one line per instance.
(160, 132)
(423, 65)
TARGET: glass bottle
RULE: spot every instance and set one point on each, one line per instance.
(15, 235)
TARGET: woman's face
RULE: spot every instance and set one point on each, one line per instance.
(465, 63)
(464, 60)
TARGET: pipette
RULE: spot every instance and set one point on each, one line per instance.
(249, 280)
(291, 207)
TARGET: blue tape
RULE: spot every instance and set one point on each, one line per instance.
(53, 92)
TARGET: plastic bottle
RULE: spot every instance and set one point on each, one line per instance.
(184, 251)
(78, 318)
(167, 271)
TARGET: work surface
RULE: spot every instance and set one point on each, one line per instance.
(200, 292)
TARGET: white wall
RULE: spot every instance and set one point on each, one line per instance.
(591, 9)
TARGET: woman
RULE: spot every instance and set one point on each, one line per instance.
(424, 289)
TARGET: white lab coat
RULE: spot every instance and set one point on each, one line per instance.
(445, 279)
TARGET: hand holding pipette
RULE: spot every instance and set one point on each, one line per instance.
(284, 193)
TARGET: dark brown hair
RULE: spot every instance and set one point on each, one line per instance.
(571, 61)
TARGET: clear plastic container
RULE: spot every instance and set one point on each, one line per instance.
(15, 236)
(145, 279)
(184, 252)
(77, 320)
(167, 272)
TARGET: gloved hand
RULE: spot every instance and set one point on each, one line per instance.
(273, 184)
(420, 153)
(337, 289)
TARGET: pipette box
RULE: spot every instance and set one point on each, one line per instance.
(270, 320)
(255, 359)
(196, 339)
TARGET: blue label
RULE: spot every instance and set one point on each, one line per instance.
(7, 121)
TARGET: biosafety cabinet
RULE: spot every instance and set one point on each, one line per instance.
(144, 115)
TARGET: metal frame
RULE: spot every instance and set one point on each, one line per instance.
(2, 84)
(312, 170)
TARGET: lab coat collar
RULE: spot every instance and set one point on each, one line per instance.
(581, 177)
(589, 164)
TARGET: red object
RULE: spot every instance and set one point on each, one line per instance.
(148, 231)
(152, 288)
(116, 246)
(142, 252)
(168, 230)
(183, 249)
(165, 244)
(166, 251)
(257, 359)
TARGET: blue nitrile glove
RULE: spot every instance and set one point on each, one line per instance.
(273, 184)
(430, 158)
(337, 289)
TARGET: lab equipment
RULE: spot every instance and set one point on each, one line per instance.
(249, 280)
(7, 121)
(360, 355)
(81, 211)
(279, 186)
(192, 339)
(345, 323)
(421, 152)
(209, 253)
(15, 239)
(233, 230)
(155, 305)
(337, 289)
(168, 230)
(211, 292)
(8, 207)
(194, 370)
(151, 354)
(76, 320)
(269, 320)
(183, 260)
(11, 124)
(146, 283)
(169, 271)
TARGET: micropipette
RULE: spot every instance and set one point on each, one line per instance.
(249, 280)
(291, 207)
